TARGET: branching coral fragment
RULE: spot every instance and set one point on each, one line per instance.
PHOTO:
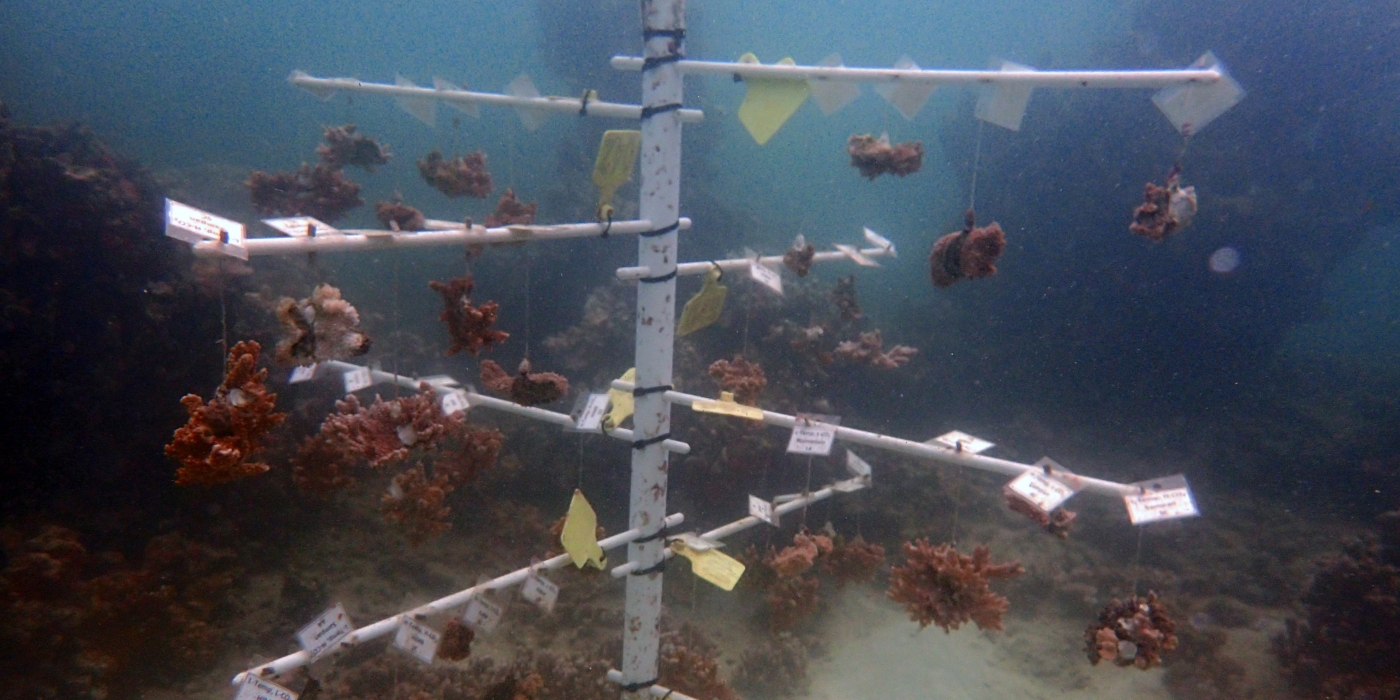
(525, 388)
(345, 147)
(875, 156)
(937, 585)
(967, 254)
(1164, 210)
(397, 216)
(323, 192)
(870, 350)
(215, 444)
(321, 327)
(457, 177)
(511, 212)
(468, 326)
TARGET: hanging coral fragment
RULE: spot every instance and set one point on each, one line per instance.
(967, 254)
(321, 327)
(215, 445)
(1164, 210)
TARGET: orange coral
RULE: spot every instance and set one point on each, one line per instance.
(940, 586)
(525, 388)
(214, 445)
(740, 376)
(469, 327)
(511, 211)
(967, 254)
(460, 176)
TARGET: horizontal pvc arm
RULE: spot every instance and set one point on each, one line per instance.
(630, 274)
(573, 105)
(1046, 78)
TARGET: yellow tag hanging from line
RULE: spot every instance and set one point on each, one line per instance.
(580, 536)
(617, 157)
(705, 307)
(623, 402)
(769, 103)
(712, 565)
(727, 406)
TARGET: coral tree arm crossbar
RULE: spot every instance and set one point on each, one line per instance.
(632, 274)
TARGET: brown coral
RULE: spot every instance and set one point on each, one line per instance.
(1164, 210)
(469, 327)
(799, 257)
(345, 147)
(321, 327)
(214, 446)
(397, 216)
(745, 379)
(323, 192)
(525, 388)
(1132, 633)
(457, 177)
(387, 430)
(1057, 522)
(967, 254)
(854, 560)
(511, 212)
(689, 664)
(874, 157)
(456, 643)
(844, 294)
(869, 350)
(937, 585)
(415, 503)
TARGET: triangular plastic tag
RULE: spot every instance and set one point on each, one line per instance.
(424, 109)
(324, 93)
(1004, 104)
(1191, 107)
(471, 108)
(906, 97)
(769, 103)
(532, 119)
(832, 95)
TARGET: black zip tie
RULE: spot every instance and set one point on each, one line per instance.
(641, 391)
(608, 228)
(678, 34)
(634, 687)
(660, 278)
(660, 231)
(583, 107)
(649, 112)
(656, 568)
(660, 533)
(668, 693)
(654, 61)
(640, 444)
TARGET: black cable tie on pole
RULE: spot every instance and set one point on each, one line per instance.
(656, 568)
(583, 106)
(639, 392)
(654, 61)
(660, 231)
(660, 278)
(649, 112)
(607, 228)
(668, 693)
(648, 442)
(634, 687)
(677, 34)
(660, 533)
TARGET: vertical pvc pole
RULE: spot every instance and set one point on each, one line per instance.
(663, 22)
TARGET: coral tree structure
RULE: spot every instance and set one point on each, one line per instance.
(1131, 633)
(967, 254)
(937, 585)
(323, 192)
(457, 177)
(1348, 645)
(1164, 210)
(468, 326)
(511, 212)
(874, 157)
(345, 147)
(869, 350)
(321, 327)
(525, 388)
(745, 379)
(397, 216)
(1057, 522)
(214, 446)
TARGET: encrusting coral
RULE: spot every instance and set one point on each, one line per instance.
(967, 254)
(511, 212)
(1131, 633)
(525, 387)
(799, 257)
(869, 351)
(937, 585)
(745, 379)
(875, 156)
(215, 445)
(469, 327)
(457, 177)
(321, 327)
(345, 147)
(1164, 210)
(397, 216)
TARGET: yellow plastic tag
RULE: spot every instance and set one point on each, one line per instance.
(727, 406)
(704, 308)
(580, 536)
(712, 565)
(617, 156)
(623, 403)
(769, 103)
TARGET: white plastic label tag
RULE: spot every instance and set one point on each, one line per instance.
(958, 441)
(482, 615)
(813, 434)
(418, 639)
(254, 688)
(857, 466)
(763, 510)
(590, 416)
(301, 226)
(323, 632)
(1004, 104)
(1167, 498)
(1041, 491)
(192, 226)
(766, 276)
(302, 374)
(540, 591)
(854, 254)
(1190, 107)
(357, 379)
(907, 97)
(454, 402)
(832, 95)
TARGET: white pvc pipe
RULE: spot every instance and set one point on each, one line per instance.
(657, 691)
(390, 624)
(474, 399)
(596, 108)
(1045, 78)
(916, 449)
(371, 239)
(631, 274)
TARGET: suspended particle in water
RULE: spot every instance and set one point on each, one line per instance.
(1224, 260)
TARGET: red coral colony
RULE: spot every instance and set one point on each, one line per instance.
(215, 445)
(937, 585)
(511, 212)
(322, 191)
(874, 157)
(457, 177)
(967, 254)
(525, 388)
(469, 327)
(1131, 633)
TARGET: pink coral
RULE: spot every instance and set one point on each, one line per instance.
(387, 430)
(869, 350)
(323, 326)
